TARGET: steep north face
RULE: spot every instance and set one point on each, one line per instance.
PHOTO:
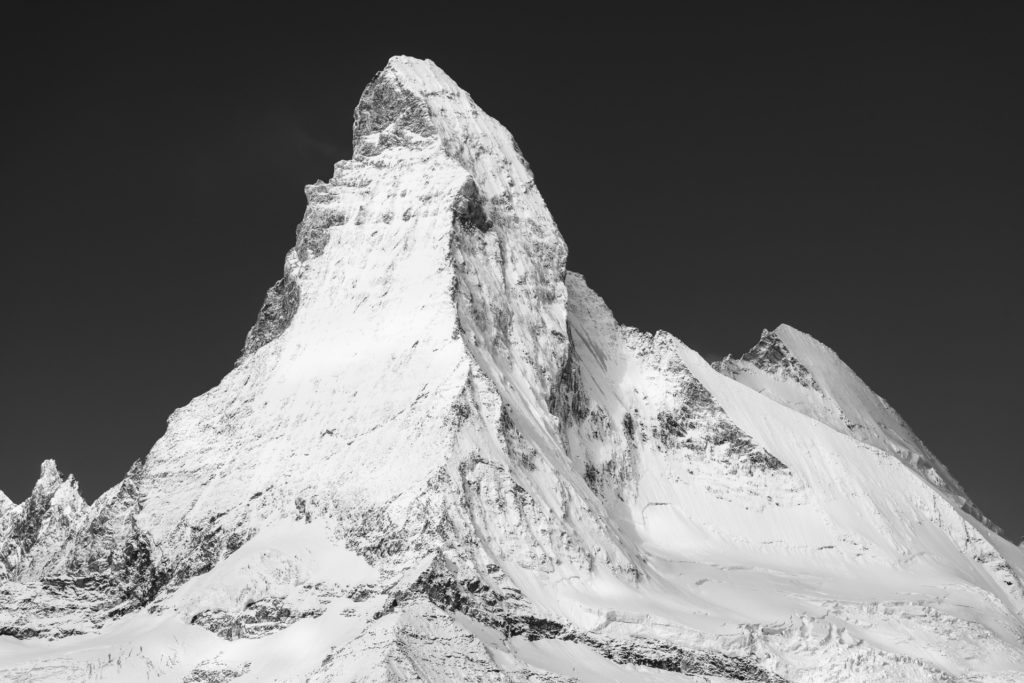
(440, 457)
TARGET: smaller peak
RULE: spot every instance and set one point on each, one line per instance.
(774, 353)
(49, 481)
(69, 482)
(778, 336)
(800, 343)
(400, 61)
(403, 64)
(49, 475)
(805, 346)
(770, 344)
(786, 334)
(793, 336)
(67, 497)
(5, 503)
(135, 471)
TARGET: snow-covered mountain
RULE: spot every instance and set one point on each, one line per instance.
(440, 458)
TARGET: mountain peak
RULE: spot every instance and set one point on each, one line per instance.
(801, 372)
(412, 104)
(422, 77)
(786, 328)
(771, 353)
(49, 479)
(393, 111)
(37, 528)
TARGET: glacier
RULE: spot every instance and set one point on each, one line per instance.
(439, 457)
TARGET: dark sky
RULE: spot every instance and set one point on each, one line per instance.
(854, 171)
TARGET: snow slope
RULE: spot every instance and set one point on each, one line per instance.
(440, 458)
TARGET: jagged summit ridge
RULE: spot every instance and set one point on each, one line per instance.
(440, 457)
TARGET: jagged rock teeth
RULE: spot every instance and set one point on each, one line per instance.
(440, 457)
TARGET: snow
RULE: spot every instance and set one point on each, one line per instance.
(441, 457)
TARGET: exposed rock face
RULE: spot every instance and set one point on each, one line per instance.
(440, 458)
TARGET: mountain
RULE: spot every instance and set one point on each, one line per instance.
(439, 457)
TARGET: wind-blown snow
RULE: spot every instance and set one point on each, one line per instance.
(440, 458)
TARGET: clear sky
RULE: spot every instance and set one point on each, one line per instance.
(854, 171)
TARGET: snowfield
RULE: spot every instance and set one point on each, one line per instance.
(441, 458)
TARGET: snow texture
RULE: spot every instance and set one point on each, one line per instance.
(439, 457)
